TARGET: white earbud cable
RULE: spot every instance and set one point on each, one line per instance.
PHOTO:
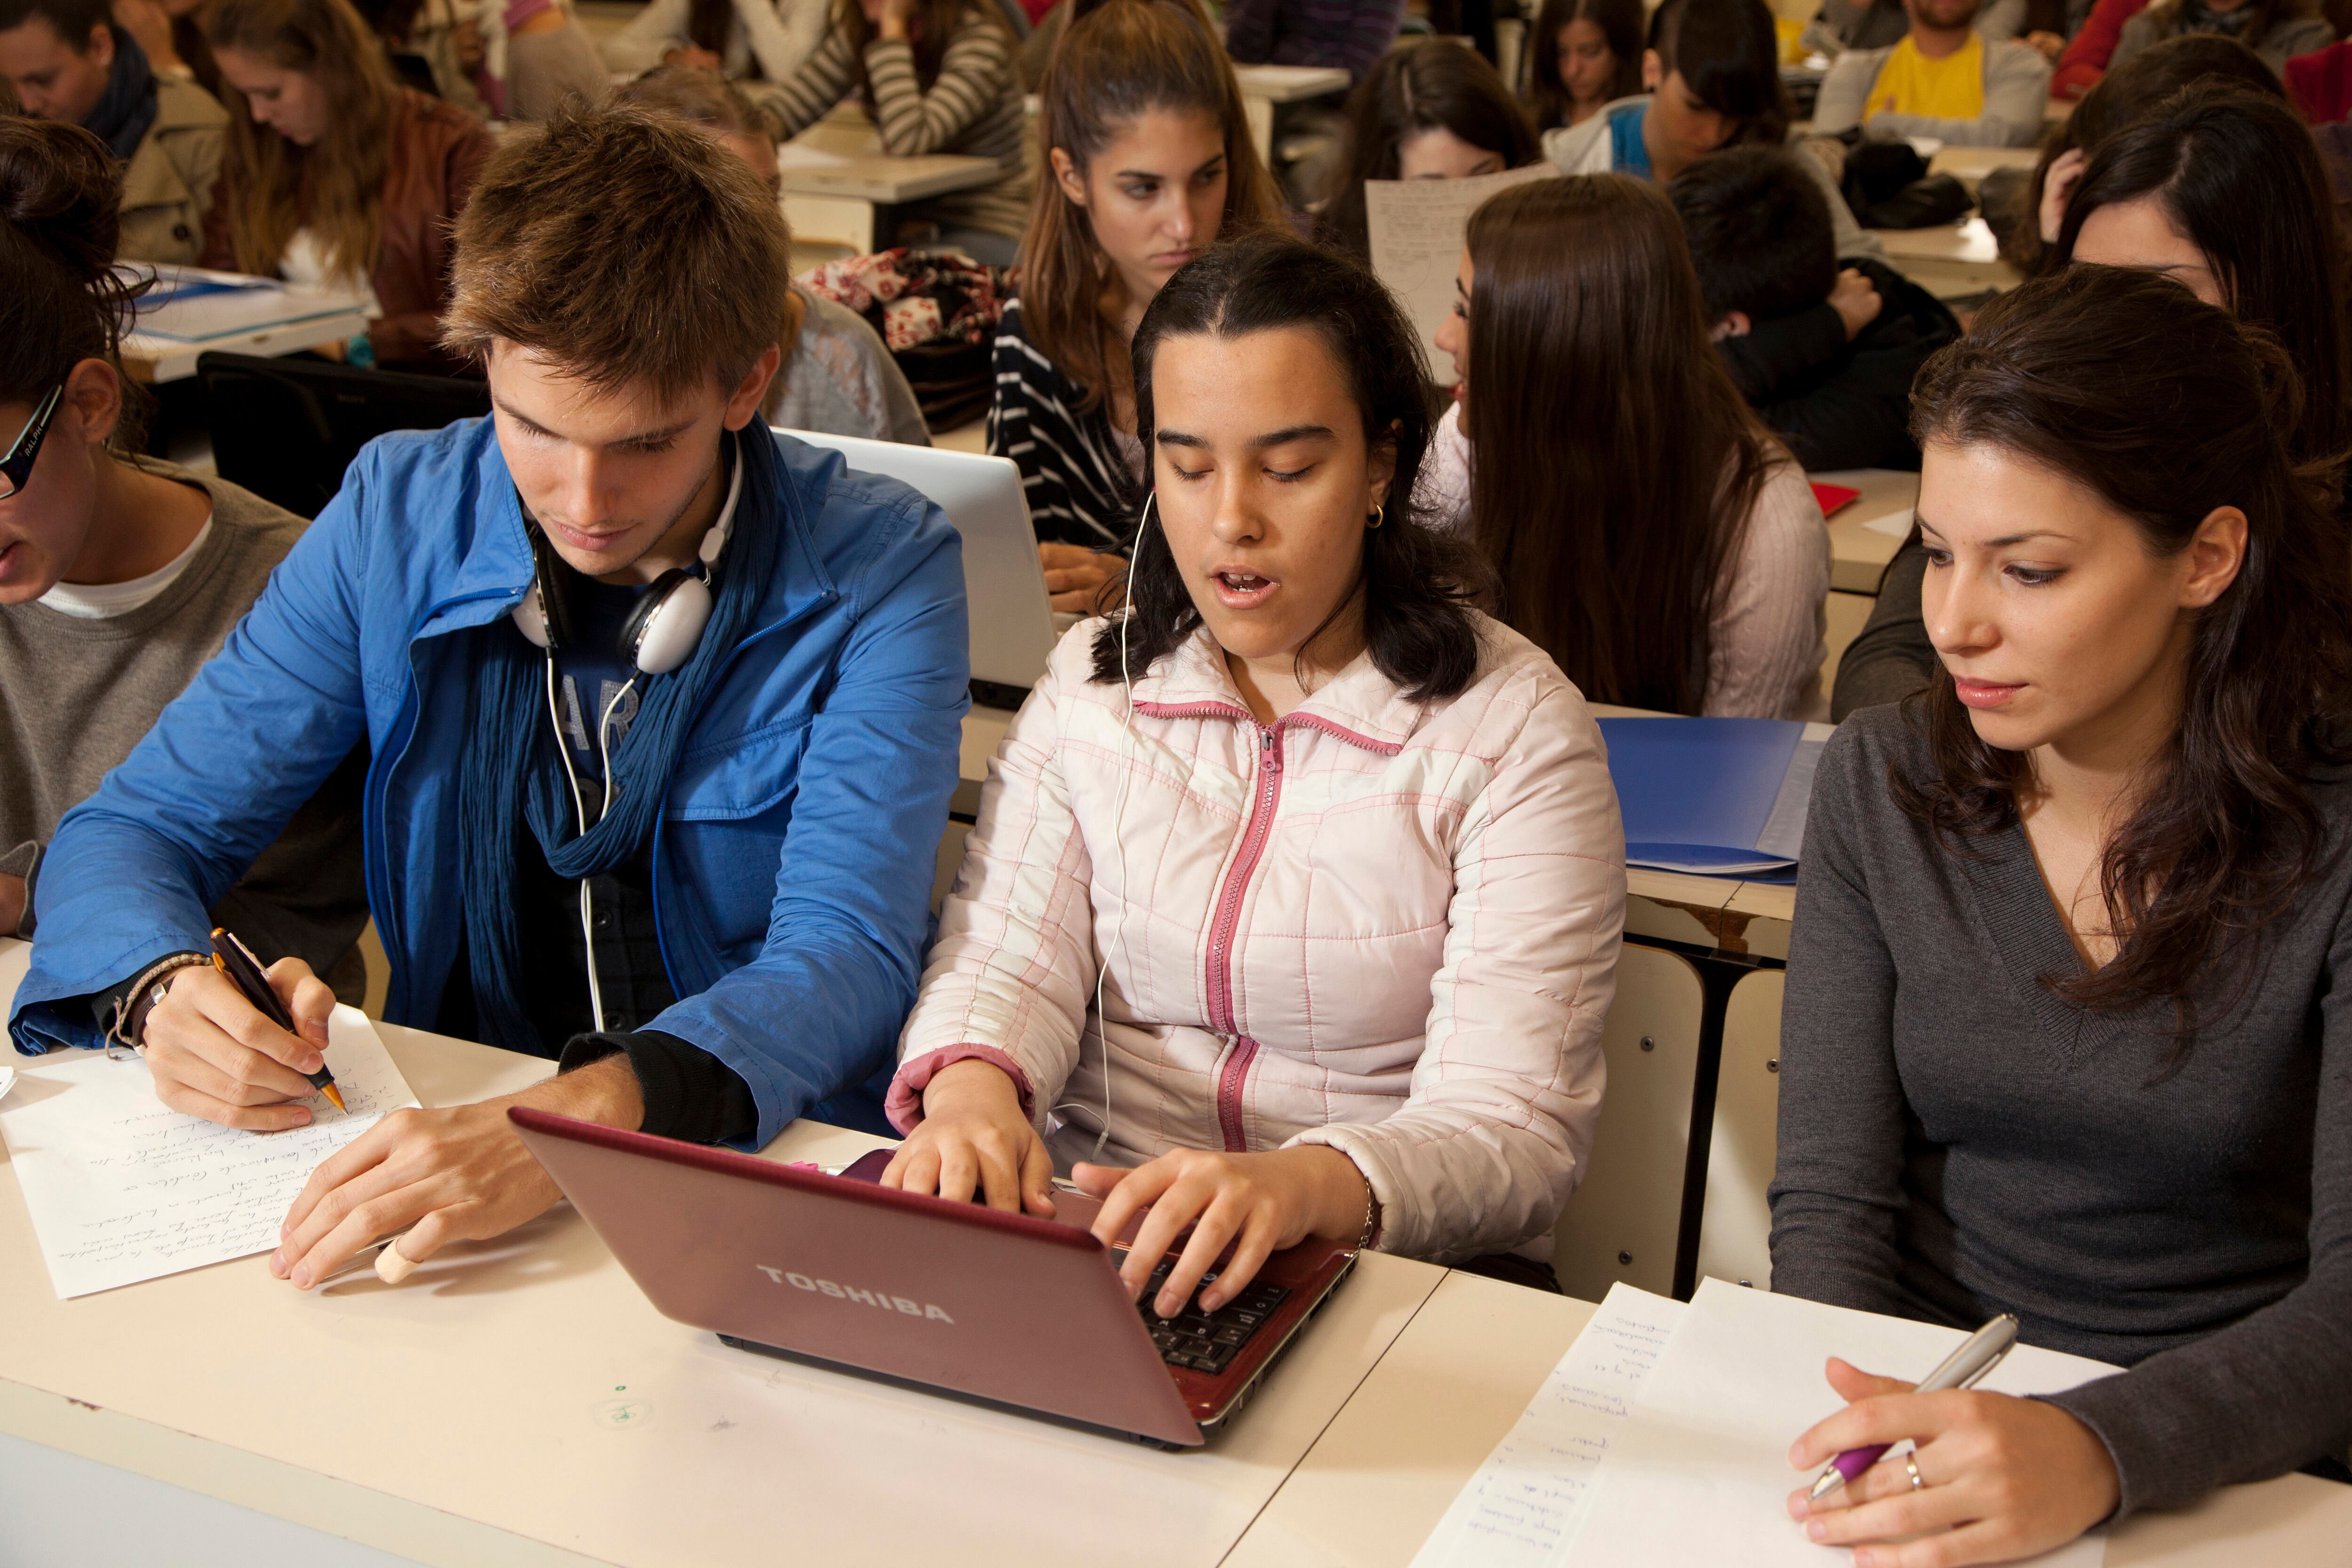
(1118, 819)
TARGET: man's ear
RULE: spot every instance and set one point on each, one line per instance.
(1654, 72)
(1066, 175)
(99, 48)
(752, 390)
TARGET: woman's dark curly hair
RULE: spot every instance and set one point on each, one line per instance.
(2166, 409)
(1416, 585)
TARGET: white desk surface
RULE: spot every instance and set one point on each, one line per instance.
(272, 321)
(840, 156)
(1969, 165)
(1970, 240)
(1380, 1477)
(1858, 555)
(518, 1404)
(1286, 84)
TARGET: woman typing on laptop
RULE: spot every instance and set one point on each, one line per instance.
(1295, 900)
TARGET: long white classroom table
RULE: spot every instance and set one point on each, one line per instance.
(1380, 1477)
(518, 1402)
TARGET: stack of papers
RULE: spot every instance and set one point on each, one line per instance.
(1720, 797)
(1662, 1438)
(1417, 229)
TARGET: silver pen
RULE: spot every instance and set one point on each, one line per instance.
(1977, 1355)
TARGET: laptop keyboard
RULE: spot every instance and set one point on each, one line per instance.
(1207, 1342)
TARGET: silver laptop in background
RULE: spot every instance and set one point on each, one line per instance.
(1013, 627)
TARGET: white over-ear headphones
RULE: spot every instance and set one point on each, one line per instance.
(661, 633)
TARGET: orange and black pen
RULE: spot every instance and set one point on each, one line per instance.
(236, 960)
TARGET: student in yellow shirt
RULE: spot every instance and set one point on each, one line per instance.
(1944, 79)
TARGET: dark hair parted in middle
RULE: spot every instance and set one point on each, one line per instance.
(1435, 86)
(2166, 409)
(1416, 583)
(2238, 175)
(1729, 54)
(1619, 22)
(1760, 233)
(1626, 462)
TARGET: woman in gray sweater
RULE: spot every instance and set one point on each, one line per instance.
(2065, 1033)
(120, 576)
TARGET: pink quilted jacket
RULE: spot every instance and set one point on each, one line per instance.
(1383, 926)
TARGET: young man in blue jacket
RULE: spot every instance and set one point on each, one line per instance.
(663, 708)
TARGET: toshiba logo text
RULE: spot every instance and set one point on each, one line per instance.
(881, 1299)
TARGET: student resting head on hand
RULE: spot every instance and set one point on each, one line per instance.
(1148, 158)
(1645, 530)
(1434, 112)
(2065, 1035)
(120, 575)
(663, 708)
(1364, 1003)
(1582, 55)
(837, 375)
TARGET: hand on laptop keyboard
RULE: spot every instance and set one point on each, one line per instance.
(1207, 1340)
(1254, 1204)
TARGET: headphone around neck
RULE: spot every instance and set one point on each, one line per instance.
(662, 632)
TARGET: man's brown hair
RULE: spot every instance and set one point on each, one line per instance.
(625, 246)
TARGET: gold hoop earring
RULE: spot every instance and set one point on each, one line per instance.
(1380, 516)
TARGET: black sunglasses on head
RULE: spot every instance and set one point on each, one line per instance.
(16, 467)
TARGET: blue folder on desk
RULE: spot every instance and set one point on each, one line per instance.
(1720, 797)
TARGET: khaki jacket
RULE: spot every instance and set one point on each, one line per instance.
(167, 187)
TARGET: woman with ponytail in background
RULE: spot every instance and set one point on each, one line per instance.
(1147, 158)
(120, 576)
(334, 173)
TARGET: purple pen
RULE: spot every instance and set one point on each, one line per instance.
(1977, 1355)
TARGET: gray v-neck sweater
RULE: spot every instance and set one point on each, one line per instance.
(1955, 1142)
(77, 695)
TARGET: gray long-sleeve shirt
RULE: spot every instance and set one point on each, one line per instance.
(2016, 91)
(1955, 1142)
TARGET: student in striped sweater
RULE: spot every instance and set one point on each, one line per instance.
(938, 75)
(1148, 160)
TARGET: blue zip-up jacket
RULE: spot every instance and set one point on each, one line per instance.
(793, 857)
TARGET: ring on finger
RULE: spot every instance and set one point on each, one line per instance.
(1911, 1463)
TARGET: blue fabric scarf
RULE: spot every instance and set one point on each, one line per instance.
(511, 773)
(128, 107)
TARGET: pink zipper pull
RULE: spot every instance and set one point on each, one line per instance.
(1270, 743)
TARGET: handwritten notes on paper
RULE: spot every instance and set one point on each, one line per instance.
(1524, 1505)
(123, 1190)
(1700, 1474)
(1416, 229)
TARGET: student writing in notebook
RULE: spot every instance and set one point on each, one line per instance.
(122, 574)
(1148, 159)
(1435, 111)
(335, 175)
(2067, 1031)
(663, 711)
(1644, 529)
(1295, 900)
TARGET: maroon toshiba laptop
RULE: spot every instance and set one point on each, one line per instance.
(952, 1297)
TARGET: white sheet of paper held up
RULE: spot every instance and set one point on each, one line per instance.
(1521, 1507)
(1416, 229)
(121, 1190)
(1700, 1475)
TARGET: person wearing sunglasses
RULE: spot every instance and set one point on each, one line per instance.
(120, 575)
